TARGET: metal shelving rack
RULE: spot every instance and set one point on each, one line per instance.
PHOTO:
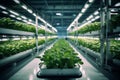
(105, 34)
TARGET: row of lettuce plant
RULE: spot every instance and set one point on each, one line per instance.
(61, 55)
(8, 48)
(11, 24)
(88, 28)
(94, 45)
(13, 47)
(95, 26)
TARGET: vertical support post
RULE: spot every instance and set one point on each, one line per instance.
(45, 34)
(76, 26)
(36, 21)
(108, 54)
(66, 34)
(102, 33)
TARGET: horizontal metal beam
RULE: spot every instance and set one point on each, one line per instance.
(58, 7)
(57, 11)
(63, 17)
(56, 1)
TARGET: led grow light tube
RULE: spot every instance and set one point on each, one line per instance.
(4, 12)
(30, 11)
(86, 6)
(15, 13)
(24, 7)
(17, 1)
(23, 17)
(96, 12)
(2, 7)
(18, 18)
(12, 16)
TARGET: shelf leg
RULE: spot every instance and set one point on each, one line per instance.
(36, 19)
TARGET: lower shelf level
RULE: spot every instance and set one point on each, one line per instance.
(29, 71)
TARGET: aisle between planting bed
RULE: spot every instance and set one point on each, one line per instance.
(30, 70)
(60, 62)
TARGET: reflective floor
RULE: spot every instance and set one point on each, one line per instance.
(29, 71)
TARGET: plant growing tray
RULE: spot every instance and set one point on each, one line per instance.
(59, 73)
(15, 32)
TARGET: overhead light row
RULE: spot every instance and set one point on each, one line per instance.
(86, 6)
(43, 27)
(15, 15)
(31, 12)
(27, 9)
(90, 19)
(87, 22)
(2, 7)
(94, 14)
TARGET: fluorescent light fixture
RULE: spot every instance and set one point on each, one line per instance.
(117, 4)
(91, 1)
(4, 12)
(97, 17)
(13, 12)
(112, 10)
(34, 14)
(25, 21)
(41, 19)
(83, 10)
(30, 20)
(86, 6)
(58, 14)
(32, 24)
(58, 23)
(2, 7)
(12, 16)
(54, 29)
(23, 17)
(17, 1)
(96, 12)
(89, 21)
(91, 16)
(24, 7)
(79, 15)
(29, 10)
(49, 25)
(18, 18)
(87, 18)
(92, 20)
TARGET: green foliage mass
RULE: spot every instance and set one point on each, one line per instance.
(11, 24)
(61, 55)
(94, 45)
(9, 48)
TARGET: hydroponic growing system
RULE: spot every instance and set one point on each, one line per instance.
(59, 39)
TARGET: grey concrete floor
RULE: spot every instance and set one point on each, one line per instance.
(29, 71)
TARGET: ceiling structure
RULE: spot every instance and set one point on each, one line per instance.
(59, 13)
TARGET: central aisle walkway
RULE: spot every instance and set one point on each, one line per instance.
(28, 72)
